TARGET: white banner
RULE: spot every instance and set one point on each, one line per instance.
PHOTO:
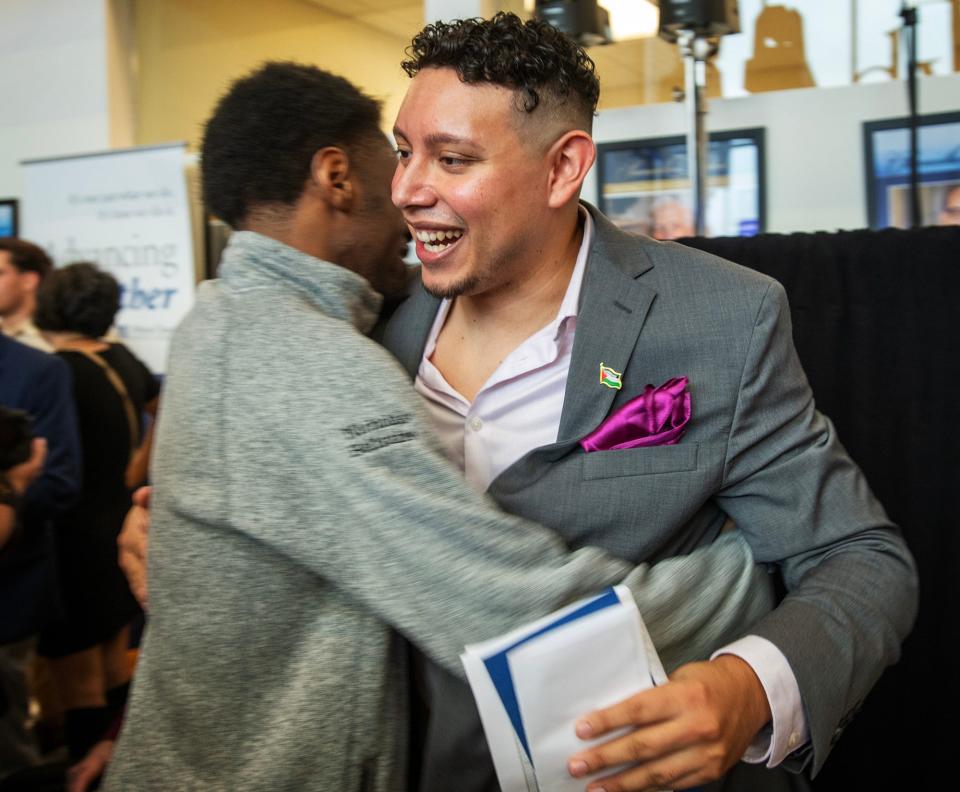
(126, 211)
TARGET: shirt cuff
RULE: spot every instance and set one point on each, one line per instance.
(787, 730)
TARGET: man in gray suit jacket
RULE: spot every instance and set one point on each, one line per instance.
(537, 319)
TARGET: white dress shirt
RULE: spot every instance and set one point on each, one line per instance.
(26, 333)
(518, 409)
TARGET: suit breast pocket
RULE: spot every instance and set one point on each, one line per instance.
(641, 461)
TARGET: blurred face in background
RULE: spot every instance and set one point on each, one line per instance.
(950, 214)
(16, 287)
(671, 220)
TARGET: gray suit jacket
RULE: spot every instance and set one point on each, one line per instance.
(755, 449)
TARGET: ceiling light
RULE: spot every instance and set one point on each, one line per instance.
(632, 18)
(584, 20)
(628, 18)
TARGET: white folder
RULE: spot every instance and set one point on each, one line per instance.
(533, 683)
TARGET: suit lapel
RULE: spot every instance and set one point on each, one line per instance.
(415, 317)
(613, 307)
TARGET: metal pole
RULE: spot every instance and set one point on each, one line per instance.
(695, 51)
(909, 14)
(854, 31)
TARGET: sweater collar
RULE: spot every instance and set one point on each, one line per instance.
(253, 260)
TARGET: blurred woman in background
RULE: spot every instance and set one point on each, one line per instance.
(87, 647)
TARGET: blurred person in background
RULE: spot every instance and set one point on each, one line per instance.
(38, 384)
(23, 266)
(87, 646)
(950, 213)
(671, 219)
(16, 474)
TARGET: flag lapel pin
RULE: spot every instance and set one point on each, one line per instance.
(610, 378)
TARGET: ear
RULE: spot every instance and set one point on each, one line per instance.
(570, 158)
(332, 175)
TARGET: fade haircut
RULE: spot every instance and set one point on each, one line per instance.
(26, 257)
(259, 143)
(546, 68)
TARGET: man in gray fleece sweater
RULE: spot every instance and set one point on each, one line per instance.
(303, 519)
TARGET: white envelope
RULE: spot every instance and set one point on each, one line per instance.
(591, 663)
(533, 683)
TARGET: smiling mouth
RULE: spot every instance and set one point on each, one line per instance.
(439, 240)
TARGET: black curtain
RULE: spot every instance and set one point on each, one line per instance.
(876, 321)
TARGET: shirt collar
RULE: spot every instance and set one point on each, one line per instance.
(24, 327)
(570, 305)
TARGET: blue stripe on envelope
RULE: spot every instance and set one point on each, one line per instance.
(499, 668)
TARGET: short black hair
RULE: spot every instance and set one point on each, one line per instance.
(258, 144)
(532, 57)
(26, 256)
(79, 298)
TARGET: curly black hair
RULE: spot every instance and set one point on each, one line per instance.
(79, 298)
(258, 144)
(532, 57)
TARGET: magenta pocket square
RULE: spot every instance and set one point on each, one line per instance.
(658, 416)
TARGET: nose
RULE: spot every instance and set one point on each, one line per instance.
(411, 186)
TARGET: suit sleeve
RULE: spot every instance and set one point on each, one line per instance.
(54, 417)
(803, 504)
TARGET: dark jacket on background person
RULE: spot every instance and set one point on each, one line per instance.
(40, 384)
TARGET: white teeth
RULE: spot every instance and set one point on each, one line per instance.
(428, 237)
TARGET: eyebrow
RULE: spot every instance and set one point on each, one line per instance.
(438, 138)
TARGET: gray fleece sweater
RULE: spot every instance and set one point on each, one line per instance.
(303, 519)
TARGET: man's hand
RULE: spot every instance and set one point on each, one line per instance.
(687, 732)
(90, 768)
(21, 476)
(132, 545)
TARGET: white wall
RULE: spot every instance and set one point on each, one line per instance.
(53, 82)
(814, 140)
